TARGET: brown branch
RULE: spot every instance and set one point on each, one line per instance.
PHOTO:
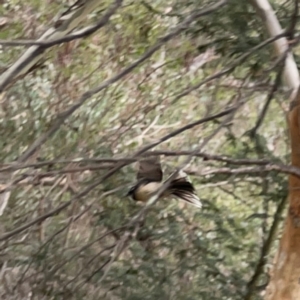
(37, 176)
(102, 160)
(207, 156)
(8, 167)
(247, 170)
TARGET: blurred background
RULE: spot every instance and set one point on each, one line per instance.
(64, 218)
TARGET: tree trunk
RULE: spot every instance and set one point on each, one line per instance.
(285, 277)
(267, 14)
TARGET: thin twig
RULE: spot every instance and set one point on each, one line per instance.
(61, 118)
(111, 172)
(270, 96)
(70, 37)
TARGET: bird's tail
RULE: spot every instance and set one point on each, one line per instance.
(180, 187)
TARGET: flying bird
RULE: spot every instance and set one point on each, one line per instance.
(150, 179)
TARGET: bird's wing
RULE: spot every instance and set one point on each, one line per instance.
(183, 189)
(150, 169)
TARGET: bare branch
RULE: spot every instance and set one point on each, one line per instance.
(231, 68)
(247, 170)
(83, 33)
(253, 131)
(148, 53)
(290, 73)
(110, 173)
(294, 17)
(33, 55)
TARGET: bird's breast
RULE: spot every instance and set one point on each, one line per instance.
(143, 192)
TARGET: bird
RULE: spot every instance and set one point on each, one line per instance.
(150, 179)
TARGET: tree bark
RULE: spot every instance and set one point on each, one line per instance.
(285, 276)
(266, 12)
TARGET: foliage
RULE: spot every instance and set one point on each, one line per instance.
(177, 251)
